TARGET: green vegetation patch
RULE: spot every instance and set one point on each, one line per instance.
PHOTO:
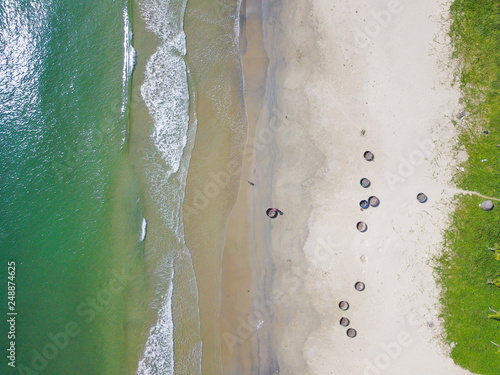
(467, 263)
(464, 270)
(475, 35)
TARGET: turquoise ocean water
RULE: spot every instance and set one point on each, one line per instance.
(92, 296)
(70, 202)
(90, 194)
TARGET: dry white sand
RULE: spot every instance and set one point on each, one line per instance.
(338, 68)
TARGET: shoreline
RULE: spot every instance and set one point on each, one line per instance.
(239, 289)
(213, 179)
(253, 329)
(337, 96)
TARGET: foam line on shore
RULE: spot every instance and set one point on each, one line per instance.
(129, 57)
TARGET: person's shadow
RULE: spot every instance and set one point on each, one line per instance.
(280, 212)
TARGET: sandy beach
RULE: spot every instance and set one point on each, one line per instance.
(341, 78)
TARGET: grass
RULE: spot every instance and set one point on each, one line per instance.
(464, 269)
(466, 264)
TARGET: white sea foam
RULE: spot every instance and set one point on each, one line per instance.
(166, 94)
(237, 26)
(260, 323)
(129, 56)
(165, 89)
(167, 191)
(143, 229)
(158, 357)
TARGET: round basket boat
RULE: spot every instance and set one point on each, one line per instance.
(361, 226)
(421, 197)
(359, 286)
(344, 322)
(343, 305)
(365, 182)
(374, 201)
(271, 213)
(364, 204)
(369, 156)
(487, 205)
(351, 332)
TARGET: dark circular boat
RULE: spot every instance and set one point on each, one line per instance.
(369, 155)
(421, 197)
(343, 305)
(359, 286)
(270, 212)
(374, 201)
(362, 227)
(344, 322)
(365, 182)
(351, 332)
